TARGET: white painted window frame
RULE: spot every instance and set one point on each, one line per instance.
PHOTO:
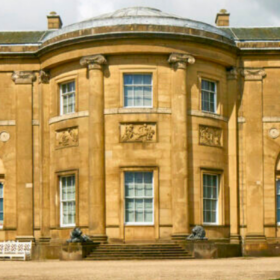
(67, 94)
(215, 96)
(2, 222)
(63, 201)
(277, 206)
(151, 86)
(217, 200)
(145, 197)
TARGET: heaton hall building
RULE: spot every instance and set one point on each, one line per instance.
(138, 125)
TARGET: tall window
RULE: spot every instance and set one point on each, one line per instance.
(1, 204)
(67, 200)
(139, 198)
(138, 90)
(67, 98)
(208, 96)
(278, 200)
(210, 198)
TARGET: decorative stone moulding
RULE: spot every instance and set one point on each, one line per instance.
(232, 74)
(93, 61)
(44, 77)
(210, 136)
(24, 77)
(68, 137)
(274, 133)
(138, 132)
(4, 136)
(180, 60)
(253, 74)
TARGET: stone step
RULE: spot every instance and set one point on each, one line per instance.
(138, 252)
(138, 258)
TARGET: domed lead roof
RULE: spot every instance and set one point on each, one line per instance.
(138, 16)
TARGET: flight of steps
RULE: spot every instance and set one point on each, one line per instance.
(158, 251)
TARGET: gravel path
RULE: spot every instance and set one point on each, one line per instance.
(219, 269)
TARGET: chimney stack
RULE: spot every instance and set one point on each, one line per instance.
(222, 18)
(54, 21)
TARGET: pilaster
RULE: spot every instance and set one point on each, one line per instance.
(24, 151)
(253, 152)
(232, 93)
(179, 158)
(97, 228)
(44, 96)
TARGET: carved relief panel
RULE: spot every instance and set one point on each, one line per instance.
(138, 132)
(68, 137)
(210, 136)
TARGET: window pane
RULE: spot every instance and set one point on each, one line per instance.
(1, 205)
(148, 190)
(138, 96)
(129, 216)
(128, 80)
(278, 187)
(129, 204)
(64, 88)
(139, 190)
(147, 96)
(148, 204)
(138, 79)
(148, 177)
(278, 201)
(1, 217)
(128, 96)
(139, 204)
(139, 217)
(278, 215)
(147, 79)
(148, 216)
(1, 190)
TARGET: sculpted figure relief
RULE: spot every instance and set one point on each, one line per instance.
(67, 137)
(210, 136)
(198, 233)
(138, 133)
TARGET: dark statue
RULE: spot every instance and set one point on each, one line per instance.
(77, 236)
(198, 233)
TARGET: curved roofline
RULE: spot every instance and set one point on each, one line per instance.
(162, 19)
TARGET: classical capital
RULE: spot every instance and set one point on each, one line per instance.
(253, 74)
(23, 77)
(232, 74)
(180, 60)
(44, 77)
(93, 61)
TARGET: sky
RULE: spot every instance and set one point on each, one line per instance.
(31, 14)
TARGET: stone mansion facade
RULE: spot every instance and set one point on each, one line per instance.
(138, 125)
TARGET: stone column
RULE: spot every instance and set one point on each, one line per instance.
(24, 153)
(97, 228)
(44, 157)
(253, 152)
(179, 157)
(232, 92)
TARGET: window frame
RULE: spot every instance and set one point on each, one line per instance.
(2, 222)
(215, 95)
(61, 95)
(221, 195)
(276, 196)
(63, 201)
(152, 88)
(134, 197)
(60, 174)
(217, 199)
